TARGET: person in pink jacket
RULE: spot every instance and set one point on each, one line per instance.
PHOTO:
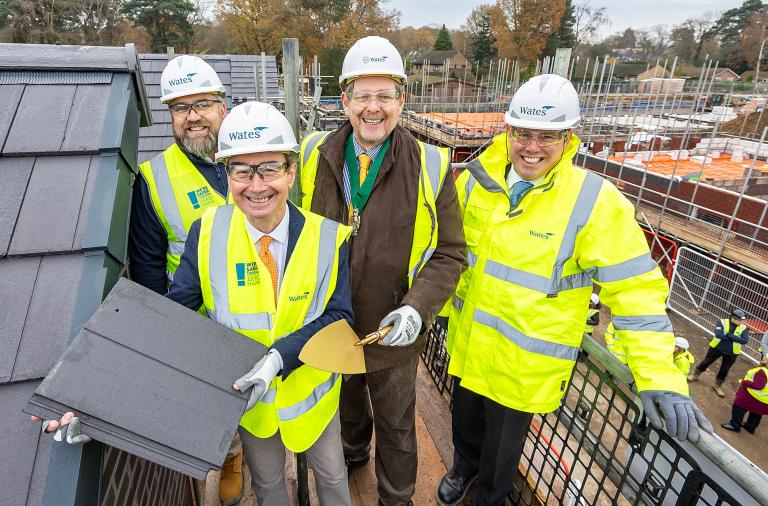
(752, 397)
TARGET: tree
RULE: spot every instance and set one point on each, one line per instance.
(684, 42)
(752, 38)
(42, 21)
(587, 20)
(729, 28)
(412, 41)
(521, 27)
(168, 22)
(443, 41)
(481, 39)
(565, 36)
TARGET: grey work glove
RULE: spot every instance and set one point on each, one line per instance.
(406, 324)
(681, 416)
(260, 377)
(67, 429)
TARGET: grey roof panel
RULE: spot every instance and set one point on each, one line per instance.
(17, 281)
(14, 173)
(29, 134)
(51, 208)
(87, 118)
(164, 361)
(11, 95)
(49, 321)
(49, 57)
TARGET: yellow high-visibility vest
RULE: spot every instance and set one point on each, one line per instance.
(517, 319)
(762, 394)
(237, 292)
(180, 195)
(434, 166)
(684, 361)
(725, 322)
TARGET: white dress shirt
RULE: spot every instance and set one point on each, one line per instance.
(513, 177)
(279, 244)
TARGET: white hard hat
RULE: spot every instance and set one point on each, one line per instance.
(372, 56)
(255, 127)
(681, 342)
(545, 102)
(188, 75)
(594, 299)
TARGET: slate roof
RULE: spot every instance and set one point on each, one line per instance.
(236, 73)
(68, 126)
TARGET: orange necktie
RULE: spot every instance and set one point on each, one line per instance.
(365, 164)
(269, 262)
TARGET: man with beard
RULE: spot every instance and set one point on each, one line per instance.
(174, 189)
(406, 254)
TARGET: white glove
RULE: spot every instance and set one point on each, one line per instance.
(406, 324)
(67, 429)
(681, 416)
(260, 377)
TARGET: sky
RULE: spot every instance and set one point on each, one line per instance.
(622, 14)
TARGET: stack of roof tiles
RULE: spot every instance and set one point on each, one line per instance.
(69, 120)
(238, 73)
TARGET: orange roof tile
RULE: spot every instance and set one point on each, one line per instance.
(721, 168)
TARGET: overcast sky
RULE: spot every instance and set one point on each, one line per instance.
(622, 13)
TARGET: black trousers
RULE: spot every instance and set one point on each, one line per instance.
(725, 366)
(488, 441)
(737, 415)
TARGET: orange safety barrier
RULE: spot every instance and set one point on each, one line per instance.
(663, 251)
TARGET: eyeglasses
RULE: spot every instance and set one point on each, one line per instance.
(201, 107)
(544, 140)
(384, 98)
(268, 171)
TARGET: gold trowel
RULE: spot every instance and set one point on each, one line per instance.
(333, 349)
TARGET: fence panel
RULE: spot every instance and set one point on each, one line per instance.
(703, 291)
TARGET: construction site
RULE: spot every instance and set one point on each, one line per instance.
(690, 157)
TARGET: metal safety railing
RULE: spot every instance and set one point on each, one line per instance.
(598, 447)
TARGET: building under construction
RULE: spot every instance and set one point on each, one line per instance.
(697, 175)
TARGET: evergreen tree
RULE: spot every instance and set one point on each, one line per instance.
(729, 27)
(565, 36)
(481, 39)
(443, 40)
(168, 22)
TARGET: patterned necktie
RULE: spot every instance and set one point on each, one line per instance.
(269, 262)
(365, 163)
(517, 192)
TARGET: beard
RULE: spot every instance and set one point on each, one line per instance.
(201, 147)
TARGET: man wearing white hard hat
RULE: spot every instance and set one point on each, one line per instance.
(682, 357)
(174, 189)
(540, 232)
(593, 315)
(277, 274)
(406, 253)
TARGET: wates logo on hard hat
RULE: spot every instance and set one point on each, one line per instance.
(375, 59)
(182, 80)
(534, 111)
(246, 134)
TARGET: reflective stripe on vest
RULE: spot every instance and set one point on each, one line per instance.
(762, 394)
(736, 347)
(292, 412)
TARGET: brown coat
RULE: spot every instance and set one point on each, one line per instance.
(380, 251)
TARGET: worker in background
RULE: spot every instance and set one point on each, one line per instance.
(406, 253)
(285, 251)
(174, 189)
(730, 334)
(593, 315)
(752, 397)
(540, 232)
(682, 357)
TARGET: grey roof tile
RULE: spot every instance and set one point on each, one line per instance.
(31, 135)
(87, 118)
(11, 95)
(51, 208)
(17, 280)
(14, 173)
(165, 361)
(49, 323)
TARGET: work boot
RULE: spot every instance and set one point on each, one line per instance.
(717, 389)
(352, 464)
(231, 481)
(453, 487)
(694, 376)
(729, 426)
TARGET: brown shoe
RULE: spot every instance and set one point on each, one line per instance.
(231, 482)
(717, 389)
(694, 376)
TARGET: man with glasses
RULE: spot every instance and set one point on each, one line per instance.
(175, 188)
(406, 253)
(539, 233)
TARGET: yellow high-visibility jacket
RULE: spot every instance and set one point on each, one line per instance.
(237, 292)
(517, 319)
(684, 361)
